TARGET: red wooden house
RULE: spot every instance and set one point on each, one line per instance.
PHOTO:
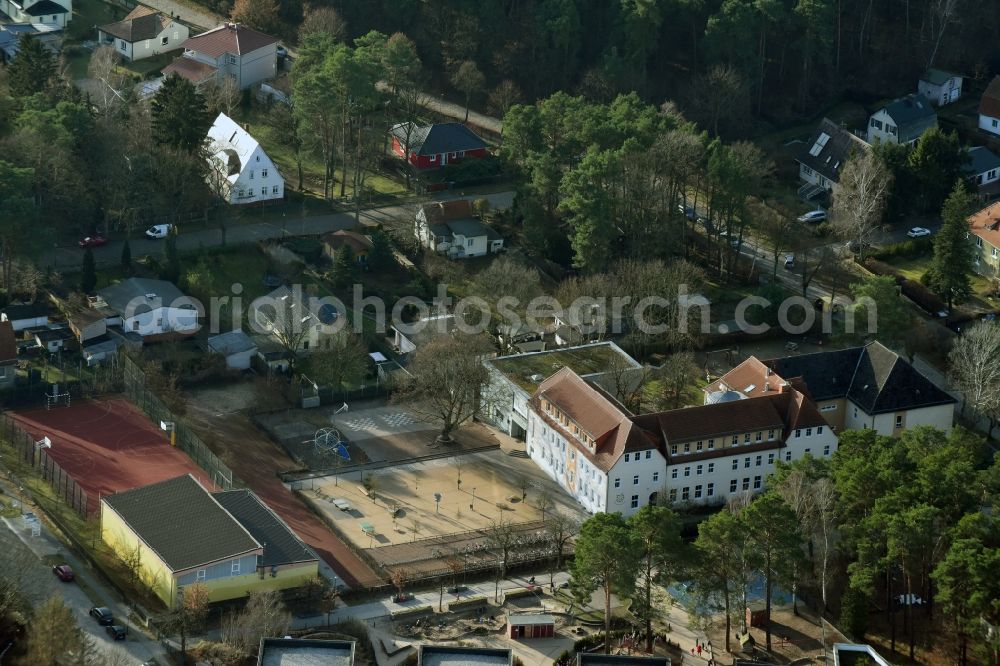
(434, 146)
(531, 625)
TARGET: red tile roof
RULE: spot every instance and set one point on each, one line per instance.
(229, 38)
(359, 243)
(986, 224)
(190, 69)
(989, 105)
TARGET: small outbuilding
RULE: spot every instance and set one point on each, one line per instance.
(940, 87)
(531, 625)
(448, 655)
(359, 243)
(236, 346)
(29, 315)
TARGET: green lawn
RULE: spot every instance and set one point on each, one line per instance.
(914, 269)
(213, 274)
(583, 361)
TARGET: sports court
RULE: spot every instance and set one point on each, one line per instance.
(107, 446)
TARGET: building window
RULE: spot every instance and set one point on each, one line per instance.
(710, 490)
(263, 191)
(788, 456)
(826, 450)
(806, 452)
(122, 45)
(200, 575)
(163, 41)
(685, 494)
(877, 124)
(746, 438)
(635, 501)
(697, 492)
(673, 449)
(746, 483)
(806, 170)
(687, 447)
(819, 430)
(673, 473)
(711, 467)
(732, 485)
(673, 494)
(770, 458)
(993, 122)
(899, 420)
(746, 462)
(711, 444)
(994, 252)
(736, 440)
(635, 480)
(618, 482)
(828, 408)
(979, 243)
(236, 568)
(627, 456)
(469, 242)
(656, 475)
(756, 483)
(687, 471)
(798, 433)
(649, 454)
(263, 173)
(698, 470)
(698, 446)
(232, 60)
(760, 460)
(736, 465)
(770, 435)
(809, 432)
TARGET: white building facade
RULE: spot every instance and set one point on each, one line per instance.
(241, 172)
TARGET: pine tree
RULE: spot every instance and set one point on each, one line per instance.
(88, 274)
(951, 267)
(179, 115)
(380, 257)
(32, 70)
(344, 268)
(171, 270)
(126, 258)
(54, 637)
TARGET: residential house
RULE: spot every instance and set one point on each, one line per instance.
(940, 87)
(24, 316)
(8, 356)
(304, 652)
(88, 325)
(515, 378)
(983, 168)
(989, 107)
(612, 461)
(236, 347)
(434, 146)
(984, 231)
(359, 243)
(828, 150)
(11, 34)
(233, 50)
(144, 32)
(294, 320)
(407, 337)
(902, 121)
(869, 387)
(240, 172)
(183, 535)
(447, 655)
(155, 309)
(531, 625)
(451, 228)
(55, 12)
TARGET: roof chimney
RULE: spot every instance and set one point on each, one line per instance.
(786, 387)
(767, 386)
(767, 371)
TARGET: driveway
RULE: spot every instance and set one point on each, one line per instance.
(252, 232)
(196, 16)
(17, 541)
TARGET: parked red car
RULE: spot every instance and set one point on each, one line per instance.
(96, 240)
(63, 572)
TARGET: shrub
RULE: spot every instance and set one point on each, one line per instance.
(881, 268)
(922, 296)
(854, 614)
(915, 247)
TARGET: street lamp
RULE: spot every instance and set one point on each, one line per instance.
(437, 503)
(168, 426)
(472, 505)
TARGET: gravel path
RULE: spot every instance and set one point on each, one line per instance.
(196, 16)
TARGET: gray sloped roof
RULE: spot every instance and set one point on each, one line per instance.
(181, 521)
(45, 7)
(913, 116)
(142, 23)
(281, 546)
(830, 160)
(441, 138)
(135, 291)
(26, 311)
(936, 77)
(873, 377)
(233, 342)
(981, 160)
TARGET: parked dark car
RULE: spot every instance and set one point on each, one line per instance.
(117, 632)
(103, 615)
(64, 572)
(97, 240)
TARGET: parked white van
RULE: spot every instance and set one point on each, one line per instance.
(159, 231)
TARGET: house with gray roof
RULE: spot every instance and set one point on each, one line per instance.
(824, 157)
(983, 168)
(448, 655)
(435, 146)
(236, 347)
(940, 87)
(154, 309)
(181, 534)
(451, 228)
(305, 652)
(902, 121)
(144, 32)
(51, 12)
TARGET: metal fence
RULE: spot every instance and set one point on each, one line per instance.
(38, 458)
(187, 441)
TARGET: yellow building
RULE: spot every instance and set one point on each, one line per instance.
(984, 231)
(177, 533)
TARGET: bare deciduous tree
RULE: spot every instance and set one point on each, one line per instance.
(264, 616)
(223, 95)
(112, 89)
(325, 20)
(720, 97)
(676, 374)
(975, 370)
(860, 202)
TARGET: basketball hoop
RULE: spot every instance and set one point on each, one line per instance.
(54, 398)
(343, 408)
(43, 443)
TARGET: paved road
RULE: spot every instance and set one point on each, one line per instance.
(252, 232)
(16, 541)
(456, 111)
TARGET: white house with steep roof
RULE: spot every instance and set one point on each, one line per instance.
(52, 12)
(241, 172)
